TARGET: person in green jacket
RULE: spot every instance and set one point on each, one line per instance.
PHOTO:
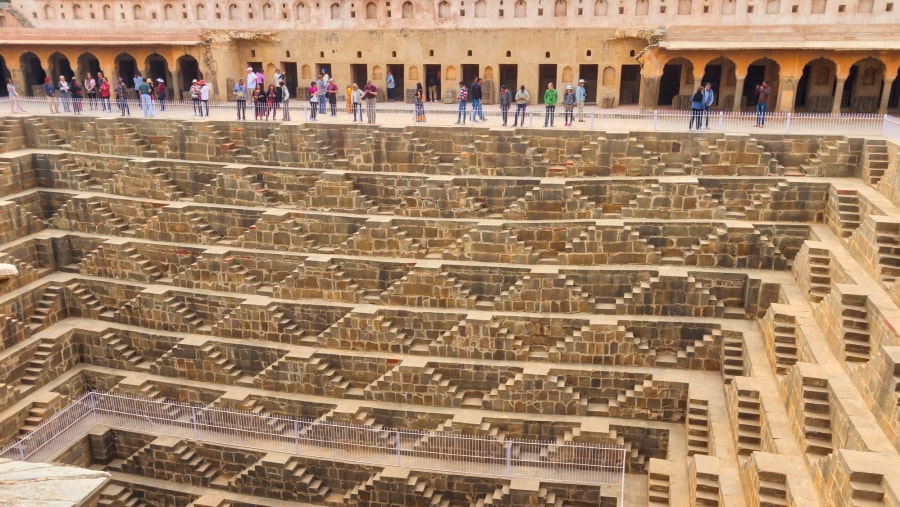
(550, 103)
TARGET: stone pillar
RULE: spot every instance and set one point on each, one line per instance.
(787, 90)
(838, 94)
(738, 92)
(885, 95)
(649, 92)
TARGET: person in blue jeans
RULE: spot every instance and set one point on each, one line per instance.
(463, 97)
(762, 98)
(476, 94)
(697, 108)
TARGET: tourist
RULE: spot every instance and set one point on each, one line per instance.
(260, 101)
(431, 81)
(505, 102)
(550, 99)
(762, 98)
(371, 93)
(90, 90)
(325, 76)
(64, 93)
(270, 102)
(50, 93)
(138, 80)
(76, 90)
(569, 106)
(522, 98)
(145, 89)
(260, 80)
(105, 92)
(709, 98)
(357, 96)
(420, 106)
(475, 93)
(697, 107)
(240, 97)
(462, 98)
(390, 83)
(14, 105)
(122, 97)
(580, 97)
(276, 100)
(313, 99)
(331, 92)
(161, 93)
(285, 99)
(251, 80)
(195, 96)
(350, 98)
(321, 85)
(279, 78)
(204, 98)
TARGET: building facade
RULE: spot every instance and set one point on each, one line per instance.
(645, 53)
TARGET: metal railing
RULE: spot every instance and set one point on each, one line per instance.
(593, 118)
(581, 463)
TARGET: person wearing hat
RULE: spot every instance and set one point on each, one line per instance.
(195, 96)
(762, 92)
(251, 80)
(50, 92)
(569, 106)
(505, 102)
(161, 93)
(204, 98)
(550, 99)
(580, 96)
(63, 86)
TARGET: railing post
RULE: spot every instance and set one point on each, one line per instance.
(530, 119)
(655, 118)
(397, 435)
(297, 435)
(194, 422)
(787, 124)
(21, 449)
(508, 459)
(592, 119)
(721, 121)
(94, 407)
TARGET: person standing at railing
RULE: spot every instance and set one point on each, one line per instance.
(331, 90)
(90, 89)
(550, 99)
(357, 96)
(313, 99)
(122, 97)
(697, 107)
(64, 88)
(762, 98)
(52, 99)
(76, 96)
(321, 85)
(285, 100)
(522, 98)
(195, 97)
(146, 102)
(420, 103)
(138, 80)
(271, 95)
(569, 106)
(371, 100)
(476, 94)
(709, 98)
(161, 93)
(580, 97)
(505, 102)
(204, 98)
(14, 105)
(104, 95)
(240, 97)
(463, 98)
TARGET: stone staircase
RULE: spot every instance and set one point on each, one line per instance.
(697, 425)
(178, 307)
(106, 221)
(732, 355)
(203, 472)
(313, 488)
(429, 496)
(848, 211)
(215, 354)
(887, 237)
(784, 346)
(117, 495)
(12, 134)
(749, 419)
(819, 262)
(45, 308)
(658, 482)
(152, 392)
(333, 376)
(37, 413)
(39, 363)
(87, 303)
(200, 227)
(875, 160)
(150, 270)
(816, 417)
(43, 136)
(855, 328)
(123, 351)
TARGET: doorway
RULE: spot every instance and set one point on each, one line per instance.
(469, 71)
(126, 67)
(158, 68)
(290, 76)
(669, 84)
(88, 63)
(546, 74)
(433, 81)
(399, 79)
(848, 86)
(802, 88)
(630, 85)
(713, 75)
(590, 74)
(34, 74)
(509, 76)
(360, 74)
(4, 75)
(755, 75)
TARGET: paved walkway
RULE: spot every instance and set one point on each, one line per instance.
(621, 119)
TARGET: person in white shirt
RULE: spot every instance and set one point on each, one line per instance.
(204, 97)
(14, 105)
(285, 97)
(251, 80)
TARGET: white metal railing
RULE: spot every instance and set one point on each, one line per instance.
(858, 124)
(582, 463)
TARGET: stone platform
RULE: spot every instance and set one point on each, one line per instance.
(724, 306)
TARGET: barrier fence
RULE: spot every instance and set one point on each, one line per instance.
(534, 116)
(581, 463)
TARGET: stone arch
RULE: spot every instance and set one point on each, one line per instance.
(488, 73)
(406, 10)
(335, 11)
(126, 66)
(60, 66)
(157, 67)
(377, 73)
(106, 12)
(76, 12)
(234, 12)
(444, 9)
(200, 11)
(609, 76)
(137, 11)
(371, 10)
(567, 74)
(4, 75)
(676, 83)
(87, 62)
(268, 11)
(451, 73)
(168, 12)
(600, 7)
(32, 71)
(305, 73)
(480, 9)
(187, 68)
(756, 72)
(49, 12)
(642, 8)
(560, 8)
(720, 74)
(863, 88)
(300, 12)
(520, 10)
